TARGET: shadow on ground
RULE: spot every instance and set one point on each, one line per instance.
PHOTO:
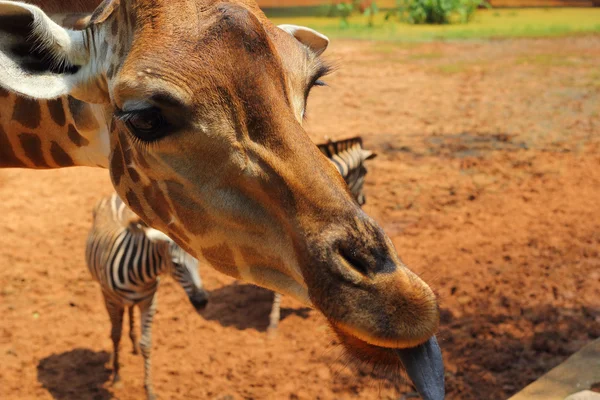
(76, 374)
(509, 351)
(245, 306)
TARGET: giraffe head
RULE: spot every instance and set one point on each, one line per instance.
(205, 102)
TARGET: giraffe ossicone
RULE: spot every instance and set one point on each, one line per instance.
(196, 108)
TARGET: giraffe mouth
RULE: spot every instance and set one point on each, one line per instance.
(422, 363)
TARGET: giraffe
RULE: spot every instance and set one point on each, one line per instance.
(196, 109)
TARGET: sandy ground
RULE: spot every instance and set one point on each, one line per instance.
(488, 181)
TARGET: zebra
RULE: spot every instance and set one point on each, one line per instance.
(126, 257)
(348, 156)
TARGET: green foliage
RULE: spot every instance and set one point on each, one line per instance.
(347, 8)
(435, 11)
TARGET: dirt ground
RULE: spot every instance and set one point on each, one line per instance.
(487, 179)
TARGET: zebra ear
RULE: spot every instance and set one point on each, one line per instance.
(156, 236)
(368, 155)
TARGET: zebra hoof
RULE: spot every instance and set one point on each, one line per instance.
(151, 396)
(117, 381)
(272, 332)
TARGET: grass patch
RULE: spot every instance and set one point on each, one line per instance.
(455, 68)
(498, 23)
(550, 60)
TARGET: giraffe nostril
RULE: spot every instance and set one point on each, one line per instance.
(355, 260)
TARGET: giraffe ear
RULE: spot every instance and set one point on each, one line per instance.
(312, 39)
(39, 58)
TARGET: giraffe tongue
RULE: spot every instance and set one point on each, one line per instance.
(425, 368)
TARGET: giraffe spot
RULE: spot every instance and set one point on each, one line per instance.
(61, 158)
(103, 51)
(126, 153)
(8, 158)
(27, 112)
(141, 161)
(116, 165)
(32, 146)
(4, 92)
(82, 114)
(133, 174)
(76, 138)
(134, 203)
(256, 259)
(114, 26)
(156, 198)
(57, 112)
(111, 71)
(221, 257)
(191, 214)
(178, 234)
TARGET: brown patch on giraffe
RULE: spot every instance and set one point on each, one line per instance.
(82, 114)
(4, 92)
(116, 165)
(111, 71)
(114, 27)
(57, 112)
(255, 259)
(221, 257)
(161, 206)
(61, 158)
(134, 203)
(8, 158)
(27, 112)
(75, 137)
(191, 214)
(177, 234)
(133, 174)
(32, 146)
(103, 51)
(141, 161)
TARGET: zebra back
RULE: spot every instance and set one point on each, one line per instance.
(126, 257)
(349, 156)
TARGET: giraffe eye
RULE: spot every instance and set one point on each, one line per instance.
(147, 125)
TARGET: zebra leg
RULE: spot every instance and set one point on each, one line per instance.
(274, 316)
(132, 333)
(148, 309)
(115, 312)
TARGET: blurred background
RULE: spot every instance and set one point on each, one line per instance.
(486, 121)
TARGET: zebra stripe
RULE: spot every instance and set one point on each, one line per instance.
(349, 157)
(127, 258)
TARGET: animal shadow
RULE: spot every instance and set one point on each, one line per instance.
(75, 374)
(245, 306)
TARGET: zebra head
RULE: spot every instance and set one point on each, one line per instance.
(183, 267)
(185, 271)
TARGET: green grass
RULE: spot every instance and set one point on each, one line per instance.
(495, 23)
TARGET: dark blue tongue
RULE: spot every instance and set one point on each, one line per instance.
(425, 368)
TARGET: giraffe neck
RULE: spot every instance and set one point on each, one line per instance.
(46, 134)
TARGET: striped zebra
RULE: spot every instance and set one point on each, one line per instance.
(348, 156)
(126, 258)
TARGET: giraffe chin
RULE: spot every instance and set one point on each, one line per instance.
(422, 363)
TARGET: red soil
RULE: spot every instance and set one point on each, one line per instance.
(488, 181)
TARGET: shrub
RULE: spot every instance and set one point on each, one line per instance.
(344, 9)
(435, 11)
